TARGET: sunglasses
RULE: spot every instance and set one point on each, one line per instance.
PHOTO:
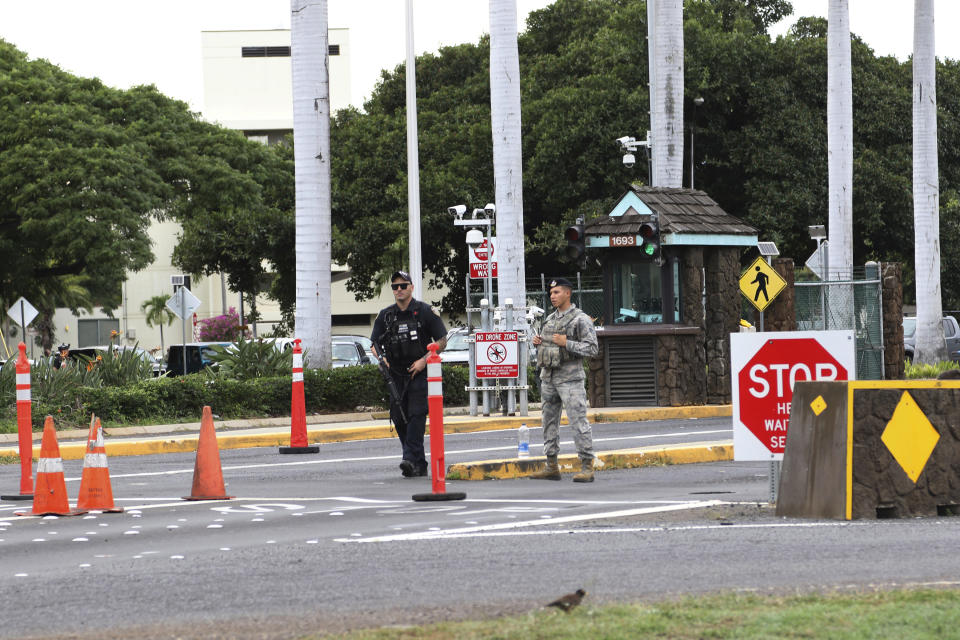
(400, 285)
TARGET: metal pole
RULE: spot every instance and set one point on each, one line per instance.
(471, 356)
(693, 126)
(508, 313)
(579, 292)
(23, 325)
(489, 272)
(413, 160)
(223, 293)
(485, 325)
(183, 319)
(823, 288)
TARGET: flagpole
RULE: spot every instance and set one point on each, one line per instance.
(413, 162)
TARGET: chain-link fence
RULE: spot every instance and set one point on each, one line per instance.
(854, 303)
(587, 293)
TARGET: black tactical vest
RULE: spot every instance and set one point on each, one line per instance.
(403, 338)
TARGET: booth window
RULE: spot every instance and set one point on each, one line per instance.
(637, 292)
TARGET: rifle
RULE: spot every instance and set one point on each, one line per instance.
(391, 383)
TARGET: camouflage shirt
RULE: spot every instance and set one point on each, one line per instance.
(565, 364)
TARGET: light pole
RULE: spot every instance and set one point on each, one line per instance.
(693, 126)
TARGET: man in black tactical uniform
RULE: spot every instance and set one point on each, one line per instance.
(401, 334)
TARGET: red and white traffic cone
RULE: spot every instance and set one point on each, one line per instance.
(298, 409)
(435, 402)
(24, 428)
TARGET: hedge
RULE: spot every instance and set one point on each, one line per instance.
(183, 398)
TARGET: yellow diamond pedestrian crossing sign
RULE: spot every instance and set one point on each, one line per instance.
(761, 284)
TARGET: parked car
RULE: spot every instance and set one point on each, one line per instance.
(365, 343)
(198, 356)
(458, 349)
(951, 333)
(347, 353)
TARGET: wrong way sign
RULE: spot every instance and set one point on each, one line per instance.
(764, 368)
(478, 259)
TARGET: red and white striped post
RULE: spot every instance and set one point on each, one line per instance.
(24, 427)
(435, 404)
(298, 409)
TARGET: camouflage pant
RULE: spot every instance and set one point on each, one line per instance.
(573, 397)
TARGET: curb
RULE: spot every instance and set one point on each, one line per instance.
(234, 440)
(688, 453)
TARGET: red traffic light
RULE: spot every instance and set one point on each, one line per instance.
(648, 230)
(574, 233)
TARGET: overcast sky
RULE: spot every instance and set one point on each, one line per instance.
(129, 42)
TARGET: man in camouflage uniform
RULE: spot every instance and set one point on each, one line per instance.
(566, 338)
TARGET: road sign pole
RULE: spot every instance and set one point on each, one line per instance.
(23, 327)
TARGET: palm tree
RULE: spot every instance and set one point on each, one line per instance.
(930, 346)
(507, 151)
(311, 144)
(665, 29)
(157, 315)
(839, 143)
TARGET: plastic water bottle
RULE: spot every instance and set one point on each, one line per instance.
(523, 441)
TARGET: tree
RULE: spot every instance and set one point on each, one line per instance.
(666, 82)
(840, 146)
(157, 315)
(507, 151)
(930, 345)
(311, 133)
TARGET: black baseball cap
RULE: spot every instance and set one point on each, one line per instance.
(560, 282)
(401, 275)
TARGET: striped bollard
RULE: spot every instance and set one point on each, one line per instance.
(24, 428)
(435, 402)
(298, 409)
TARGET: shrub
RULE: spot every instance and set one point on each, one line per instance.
(221, 328)
(249, 359)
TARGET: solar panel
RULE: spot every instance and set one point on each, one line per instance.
(768, 249)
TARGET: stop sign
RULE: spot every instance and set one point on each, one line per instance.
(764, 377)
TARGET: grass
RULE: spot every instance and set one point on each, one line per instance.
(900, 615)
(924, 371)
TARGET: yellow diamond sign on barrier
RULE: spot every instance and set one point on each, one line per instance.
(910, 437)
(818, 405)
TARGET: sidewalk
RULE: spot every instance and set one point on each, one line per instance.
(275, 432)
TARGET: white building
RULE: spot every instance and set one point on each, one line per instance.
(247, 86)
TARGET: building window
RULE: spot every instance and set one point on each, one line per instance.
(278, 52)
(96, 332)
(637, 293)
(350, 319)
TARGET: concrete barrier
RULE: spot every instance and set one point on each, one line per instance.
(872, 449)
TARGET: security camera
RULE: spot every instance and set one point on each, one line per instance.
(457, 210)
(479, 213)
(474, 238)
(490, 208)
(629, 160)
(624, 141)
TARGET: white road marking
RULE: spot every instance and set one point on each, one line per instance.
(620, 513)
(447, 453)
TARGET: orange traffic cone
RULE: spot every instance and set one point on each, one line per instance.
(207, 473)
(95, 490)
(50, 492)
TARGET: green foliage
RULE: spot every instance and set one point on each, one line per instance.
(115, 367)
(249, 359)
(926, 371)
(760, 138)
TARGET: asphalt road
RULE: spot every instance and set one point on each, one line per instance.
(322, 543)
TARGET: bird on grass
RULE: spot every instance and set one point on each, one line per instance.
(569, 601)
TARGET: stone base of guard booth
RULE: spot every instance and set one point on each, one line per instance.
(872, 449)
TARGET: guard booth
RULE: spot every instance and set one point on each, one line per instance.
(671, 265)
